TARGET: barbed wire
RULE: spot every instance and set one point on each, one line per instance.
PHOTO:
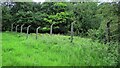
(115, 35)
(114, 25)
(114, 30)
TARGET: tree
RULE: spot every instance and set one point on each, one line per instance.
(6, 16)
(85, 16)
(59, 15)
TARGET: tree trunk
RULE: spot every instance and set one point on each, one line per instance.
(22, 27)
(37, 32)
(28, 30)
(16, 27)
(51, 29)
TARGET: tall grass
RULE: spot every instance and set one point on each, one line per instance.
(0, 49)
(55, 50)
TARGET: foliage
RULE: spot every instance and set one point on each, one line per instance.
(88, 16)
(90, 21)
(97, 34)
(85, 14)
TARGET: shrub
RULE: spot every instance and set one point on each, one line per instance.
(96, 34)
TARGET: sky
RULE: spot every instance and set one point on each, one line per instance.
(38, 0)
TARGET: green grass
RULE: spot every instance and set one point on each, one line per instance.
(55, 50)
(0, 50)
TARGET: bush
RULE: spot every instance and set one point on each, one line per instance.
(96, 34)
(45, 29)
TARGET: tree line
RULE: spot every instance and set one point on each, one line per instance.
(91, 18)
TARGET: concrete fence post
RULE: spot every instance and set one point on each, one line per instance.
(37, 32)
(108, 32)
(28, 30)
(72, 32)
(51, 29)
(22, 27)
(12, 26)
(16, 27)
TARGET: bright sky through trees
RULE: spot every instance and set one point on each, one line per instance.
(38, 0)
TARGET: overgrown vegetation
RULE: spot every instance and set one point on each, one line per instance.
(55, 50)
(96, 38)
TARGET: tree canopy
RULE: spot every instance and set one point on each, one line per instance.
(91, 18)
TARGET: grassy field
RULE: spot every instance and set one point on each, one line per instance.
(55, 50)
(0, 50)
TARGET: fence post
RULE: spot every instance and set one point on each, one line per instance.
(22, 27)
(28, 30)
(119, 32)
(16, 27)
(51, 29)
(37, 32)
(108, 32)
(72, 32)
(12, 27)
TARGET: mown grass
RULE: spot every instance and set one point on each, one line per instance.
(55, 50)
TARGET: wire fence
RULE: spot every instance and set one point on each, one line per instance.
(110, 34)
